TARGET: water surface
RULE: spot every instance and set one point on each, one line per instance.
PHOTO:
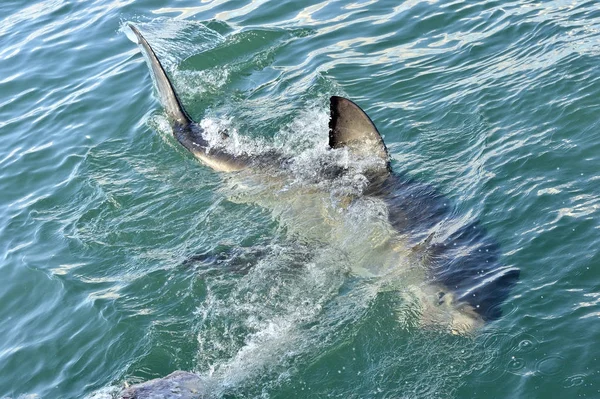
(493, 103)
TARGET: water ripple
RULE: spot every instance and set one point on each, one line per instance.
(125, 260)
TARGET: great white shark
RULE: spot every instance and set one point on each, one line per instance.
(448, 277)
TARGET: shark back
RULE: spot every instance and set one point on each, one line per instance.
(463, 259)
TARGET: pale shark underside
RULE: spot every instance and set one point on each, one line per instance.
(449, 276)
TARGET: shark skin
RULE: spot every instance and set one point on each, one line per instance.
(450, 276)
(179, 384)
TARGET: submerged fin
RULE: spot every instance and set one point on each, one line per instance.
(166, 91)
(351, 127)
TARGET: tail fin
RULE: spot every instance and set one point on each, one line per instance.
(166, 92)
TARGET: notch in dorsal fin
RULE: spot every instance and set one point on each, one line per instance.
(352, 128)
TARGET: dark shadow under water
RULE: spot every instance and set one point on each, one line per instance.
(462, 256)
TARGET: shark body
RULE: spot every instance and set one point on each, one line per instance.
(451, 275)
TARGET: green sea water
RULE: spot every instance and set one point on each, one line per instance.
(123, 260)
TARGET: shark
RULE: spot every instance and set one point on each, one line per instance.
(394, 229)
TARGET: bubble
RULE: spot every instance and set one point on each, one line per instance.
(574, 381)
(524, 343)
(525, 346)
(515, 365)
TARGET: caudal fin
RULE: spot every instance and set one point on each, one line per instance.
(166, 91)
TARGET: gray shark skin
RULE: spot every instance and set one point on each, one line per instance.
(180, 384)
(462, 285)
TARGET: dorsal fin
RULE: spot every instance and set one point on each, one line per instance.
(166, 91)
(351, 127)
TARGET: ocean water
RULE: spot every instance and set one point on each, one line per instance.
(124, 259)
